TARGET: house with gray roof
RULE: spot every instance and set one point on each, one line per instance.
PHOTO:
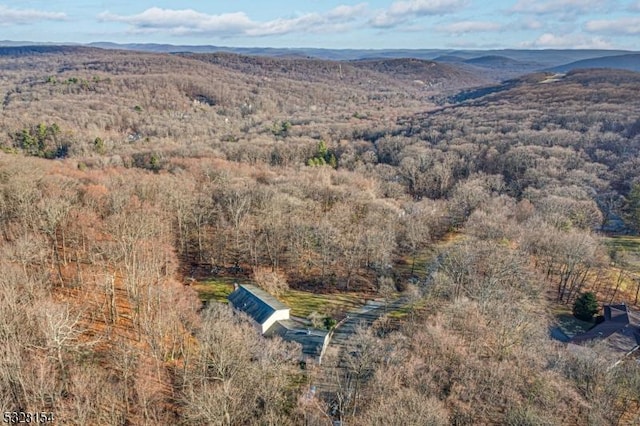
(313, 341)
(619, 332)
(262, 307)
(273, 318)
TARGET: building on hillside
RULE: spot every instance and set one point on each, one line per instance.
(273, 318)
(262, 307)
(619, 332)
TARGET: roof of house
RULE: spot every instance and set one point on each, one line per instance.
(255, 302)
(312, 340)
(620, 329)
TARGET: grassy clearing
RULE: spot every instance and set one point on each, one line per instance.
(420, 261)
(216, 289)
(630, 245)
(334, 305)
(404, 311)
(302, 303)
(628, 242)
(553, 78)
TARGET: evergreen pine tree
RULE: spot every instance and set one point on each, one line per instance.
(585, 306)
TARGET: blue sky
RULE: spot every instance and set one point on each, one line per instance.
(330, 24)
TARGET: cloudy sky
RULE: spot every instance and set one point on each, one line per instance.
(330, 23)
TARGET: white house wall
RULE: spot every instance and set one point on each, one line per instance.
(282, 314)
(327, 338)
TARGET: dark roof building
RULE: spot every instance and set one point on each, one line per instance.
(312, 340)
(273, 319)
(262, 307)
(620, 331)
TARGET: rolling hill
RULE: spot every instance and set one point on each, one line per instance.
(629, 62)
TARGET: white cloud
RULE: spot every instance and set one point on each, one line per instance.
(634, 7)
(191, 22)
(564, 8)
(402, 11)
(334, 20)
(182, 21)
(464, 27)
(9, 16)
(531, 24)
(425, 7)
(622, 26)
(568, 41)
(348, 12)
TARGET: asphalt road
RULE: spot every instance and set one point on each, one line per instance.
(340, 343)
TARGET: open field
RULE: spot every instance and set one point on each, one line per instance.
(334, 305)
(406, 310)
(630, 245)
(302, 303)
(215, 289)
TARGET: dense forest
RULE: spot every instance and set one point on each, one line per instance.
(125, 177)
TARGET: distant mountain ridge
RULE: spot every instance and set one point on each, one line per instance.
(494, 65)
(497, 63)
(630, 62)
(23, 50)
(547, 57)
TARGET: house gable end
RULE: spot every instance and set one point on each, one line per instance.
(259, 305)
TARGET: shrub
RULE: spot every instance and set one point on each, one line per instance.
(330, 323)
(41, 140)
(323, 157)
(280, 129)
(99, 146)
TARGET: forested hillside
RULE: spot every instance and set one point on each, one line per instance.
(127, 177)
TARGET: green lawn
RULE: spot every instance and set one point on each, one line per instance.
(405, 310)
(335, 305)
(216, 289)
(628, 242)
(630, 245)
(422, 259)
(302, 303)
